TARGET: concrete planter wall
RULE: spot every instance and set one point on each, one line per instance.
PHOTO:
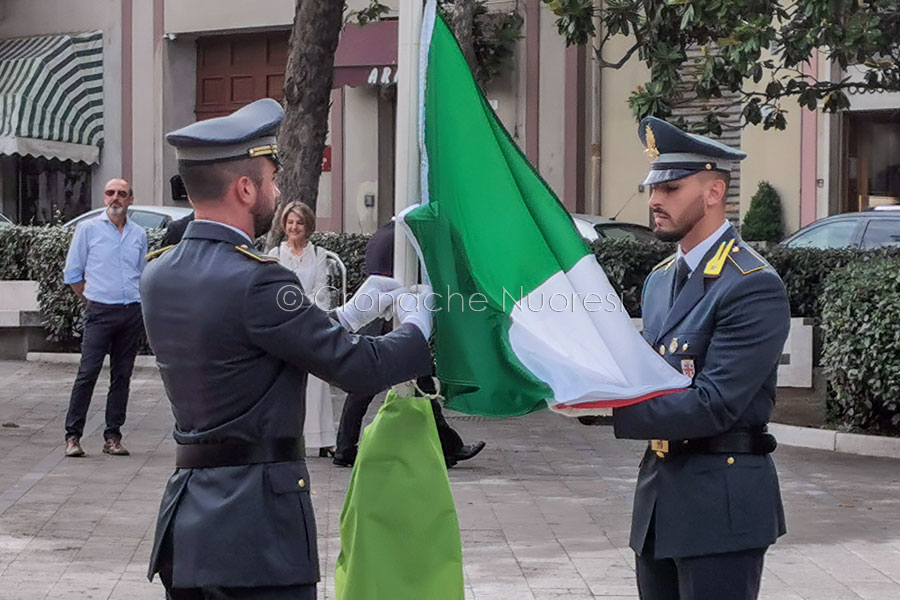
(21, 329)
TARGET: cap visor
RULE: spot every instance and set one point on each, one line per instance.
(666, 175)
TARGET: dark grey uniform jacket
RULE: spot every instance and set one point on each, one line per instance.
(733, 327)
(234, 365)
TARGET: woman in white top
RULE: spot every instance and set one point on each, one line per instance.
(309, 264)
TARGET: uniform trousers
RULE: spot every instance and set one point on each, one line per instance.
(282, 592)
(356, 405)
(725, 576)
(116, 329)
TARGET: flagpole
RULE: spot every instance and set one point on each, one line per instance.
(406, 186)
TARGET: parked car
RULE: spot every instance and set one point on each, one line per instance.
(593, 227)
(4, 222)
(147, 216)
(873, 228)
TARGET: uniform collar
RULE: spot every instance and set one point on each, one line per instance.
(695, 256)
(203, 229)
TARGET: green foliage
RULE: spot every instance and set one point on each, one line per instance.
(743, 42)
(627, 264)
(804, 271)
(14, 245)
(495, 37)
(762, 223)
(495, 34)
(861, 350)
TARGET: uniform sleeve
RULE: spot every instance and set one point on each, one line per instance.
(281, 321)
(76, 259)
(751, 327)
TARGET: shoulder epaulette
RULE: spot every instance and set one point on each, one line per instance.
(158, 253)
(252, 253)
(715, 265)
(746, 259)
(664, 263)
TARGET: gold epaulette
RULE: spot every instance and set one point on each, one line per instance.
(747, 260)
(717, 263)
(664, 263)
(158, 253)
(251, 252)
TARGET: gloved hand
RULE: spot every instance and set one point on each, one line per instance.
(416, 308)
(374, 298)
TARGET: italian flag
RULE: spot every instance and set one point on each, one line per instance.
(526, 317)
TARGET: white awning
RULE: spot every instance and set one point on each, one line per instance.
(51, 96)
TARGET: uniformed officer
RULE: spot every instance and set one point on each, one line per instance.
(234, 338)
(707, 502)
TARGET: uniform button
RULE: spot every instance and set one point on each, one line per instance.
(662, 350)
(301, 483)
(730, 460)
(661, 454)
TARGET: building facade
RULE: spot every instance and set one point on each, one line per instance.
(161, 64)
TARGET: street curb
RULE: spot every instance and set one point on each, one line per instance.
(787, 435)
(73, 358)
(836, 441)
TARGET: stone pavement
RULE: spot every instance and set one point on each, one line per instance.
(544, 510)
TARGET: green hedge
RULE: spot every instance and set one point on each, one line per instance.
(805, 270)
(626, 264)
(861, 350)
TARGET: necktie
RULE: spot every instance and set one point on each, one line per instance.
(682, 272)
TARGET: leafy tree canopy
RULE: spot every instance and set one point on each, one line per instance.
(742, 42)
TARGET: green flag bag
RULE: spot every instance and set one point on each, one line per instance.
(399, 530)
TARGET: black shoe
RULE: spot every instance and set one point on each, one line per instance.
(469, 451)
(595, 420)
(344, 459)
(326, 453)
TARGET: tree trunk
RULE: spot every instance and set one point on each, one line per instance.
(307, 98)
(464, 28)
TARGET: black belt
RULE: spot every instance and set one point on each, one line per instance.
(232, 454)
(738, 442)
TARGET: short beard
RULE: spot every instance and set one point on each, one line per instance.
(691, 218)
(117, 211)
(262, 217)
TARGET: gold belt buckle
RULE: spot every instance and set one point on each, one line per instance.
(661, 447)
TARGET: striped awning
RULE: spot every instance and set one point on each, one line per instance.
(51, 96)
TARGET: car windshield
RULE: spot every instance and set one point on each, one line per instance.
(618, 231)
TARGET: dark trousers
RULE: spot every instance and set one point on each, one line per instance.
(726, 576)
(286, 592)
(356, 405)
(112, 329)
(354, 411)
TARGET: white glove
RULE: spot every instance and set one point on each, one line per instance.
(374, 298)
(416, 308)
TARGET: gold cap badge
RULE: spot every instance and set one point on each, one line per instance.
(652, 151)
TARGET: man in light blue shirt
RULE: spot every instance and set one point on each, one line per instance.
(104, 267)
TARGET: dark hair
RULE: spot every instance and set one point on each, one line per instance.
(207, 182)
(304, 212)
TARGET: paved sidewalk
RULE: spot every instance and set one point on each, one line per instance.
(544, 510)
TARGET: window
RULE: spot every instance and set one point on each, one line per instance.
(837, 234)
(625, 232)
(882, 232)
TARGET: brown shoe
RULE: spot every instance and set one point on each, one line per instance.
(114, 447)
(73, 447)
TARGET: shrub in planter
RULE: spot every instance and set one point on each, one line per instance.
(14, 244)
(627, 264)
(804, 272)
(763, 222)
(861, 350)
(351, 247)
